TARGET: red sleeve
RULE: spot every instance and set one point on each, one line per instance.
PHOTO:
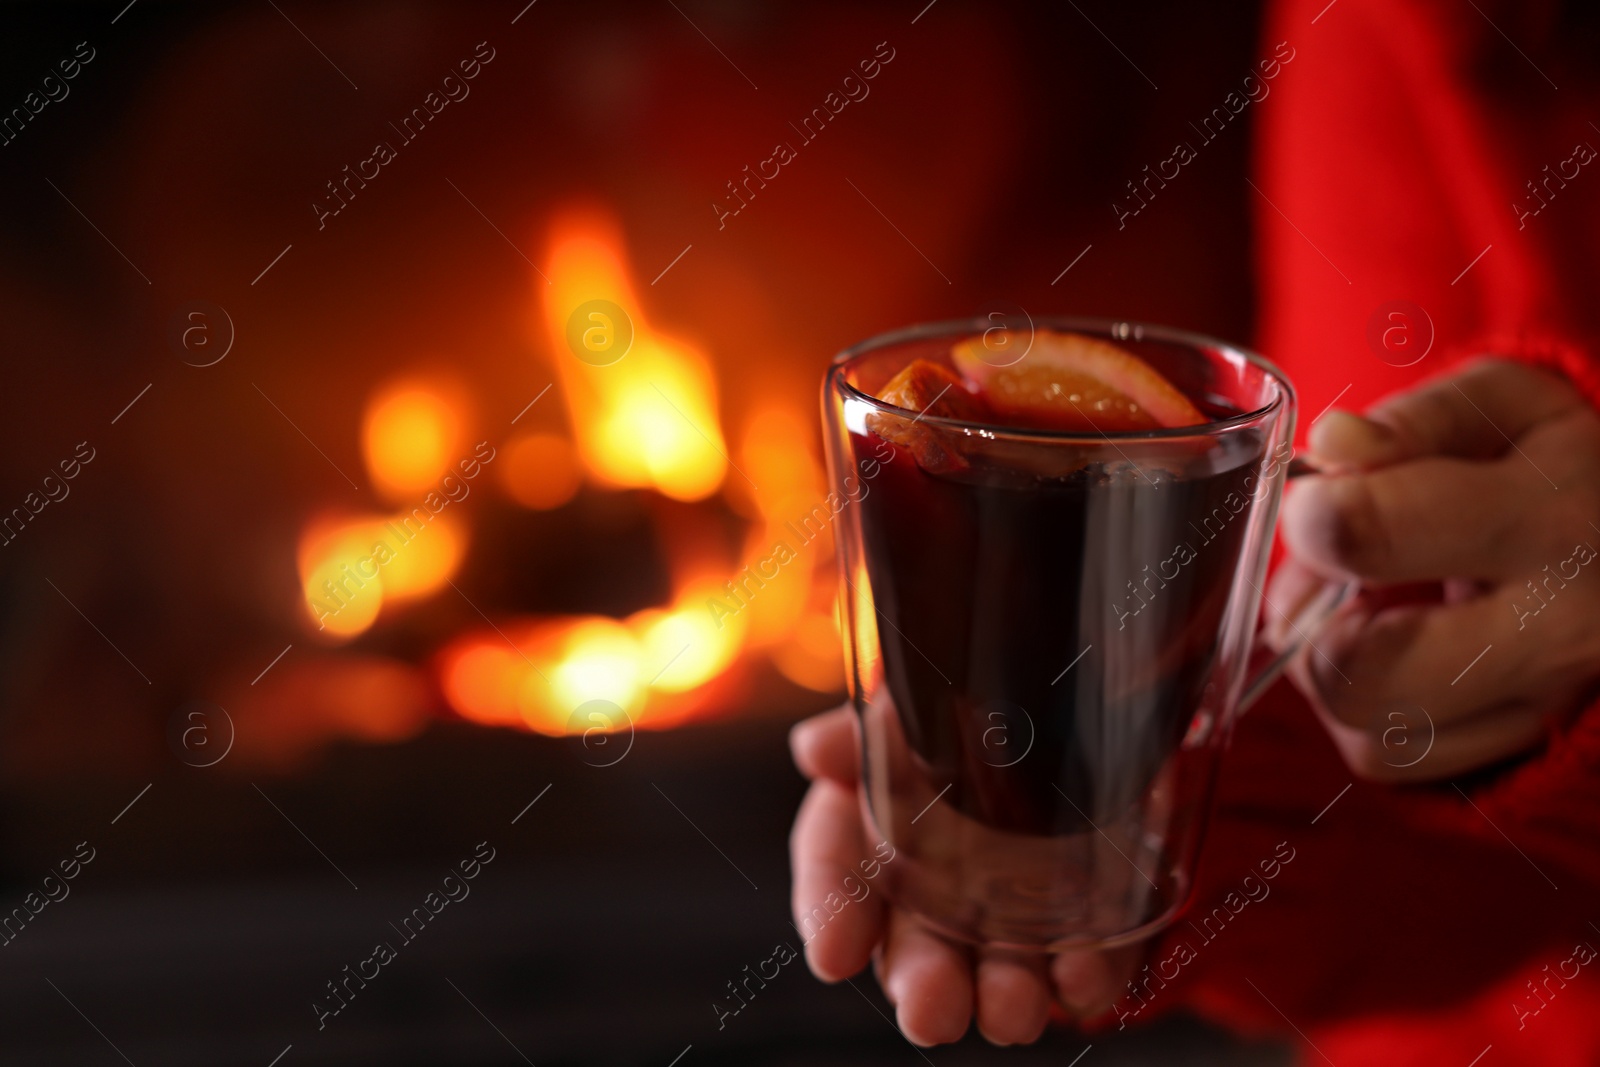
(1396, 159)
(1555, 795)
(1575, 360)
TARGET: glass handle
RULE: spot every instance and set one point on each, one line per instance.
(1312, 618)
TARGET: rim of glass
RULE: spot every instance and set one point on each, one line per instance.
(1112, 329)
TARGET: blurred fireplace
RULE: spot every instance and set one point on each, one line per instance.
(614, 565)
(689, 623)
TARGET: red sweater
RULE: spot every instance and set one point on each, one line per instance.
(1413, 925)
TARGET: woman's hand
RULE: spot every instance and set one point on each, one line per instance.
(1469, 509)
(935, 985)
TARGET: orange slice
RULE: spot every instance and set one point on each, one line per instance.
(924, 388)
(1068, 381)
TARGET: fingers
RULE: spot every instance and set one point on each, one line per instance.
(1451, 660)
(1478, 485)
(1087, 981)
(1411, 747)
(1426, 519)
(1013, 997)
(928, 980)
(1292, 588)
(1342, 442)
(838, 923)
(826, 746)
(1471, 414)
(1464, 682)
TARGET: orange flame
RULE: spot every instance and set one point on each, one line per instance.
(350, 568)
(644, 405)
(412, 435)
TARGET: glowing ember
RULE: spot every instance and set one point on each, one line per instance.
(351, 568)
(687, 646)
(599, 659)
(536, 673)
(343, 592)
(482, 677)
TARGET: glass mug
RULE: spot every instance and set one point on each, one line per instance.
(1048, 633)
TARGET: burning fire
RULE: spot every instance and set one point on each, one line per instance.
(643, 404)
(644, 412)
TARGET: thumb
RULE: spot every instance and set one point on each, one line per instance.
(826, 746)
(1343, 442)
(1476, 413)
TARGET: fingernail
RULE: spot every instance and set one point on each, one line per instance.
(797, 744)
(998, 1042)
(1075, 1009)
(890, 987)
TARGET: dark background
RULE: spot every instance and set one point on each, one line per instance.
(195, 141)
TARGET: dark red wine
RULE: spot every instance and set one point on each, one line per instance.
(1048, 639)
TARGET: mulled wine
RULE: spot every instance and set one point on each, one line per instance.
(1051, 565)
(1075, 615)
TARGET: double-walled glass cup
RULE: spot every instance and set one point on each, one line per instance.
(1048, 633)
